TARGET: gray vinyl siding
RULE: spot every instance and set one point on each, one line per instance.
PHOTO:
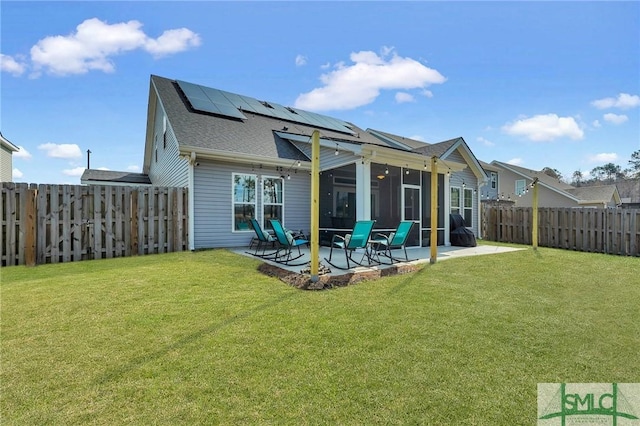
(213, 207)
(6, 165)
(328, 158)
(471, 182)
(169, 169)
(546, 197)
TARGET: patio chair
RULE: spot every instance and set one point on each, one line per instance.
(394, 241)
(357, 239)
(261, 240)
(287, 243)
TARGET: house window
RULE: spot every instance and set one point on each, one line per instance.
(494, 180)
(244, 200)
(272, 200)
(455, 200)
(520, 186)
(468, 206)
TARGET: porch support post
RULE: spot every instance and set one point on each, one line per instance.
(534, 226)
(315, 205)
(363, 190)
(447, 208)
(434, 210)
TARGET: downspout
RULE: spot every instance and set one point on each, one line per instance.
(192, 209)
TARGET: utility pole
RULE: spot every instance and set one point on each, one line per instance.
(88, 156)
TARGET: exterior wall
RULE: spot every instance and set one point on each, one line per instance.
(471, 182)
(166, 167)
(213, 207)
(6, 165)
(546, 196)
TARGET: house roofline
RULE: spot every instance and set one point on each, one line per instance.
(546, 185)
(7, 144)
(470, 158)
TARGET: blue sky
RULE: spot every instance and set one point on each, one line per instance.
(537, 84)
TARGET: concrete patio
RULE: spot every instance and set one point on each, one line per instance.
(297, 274)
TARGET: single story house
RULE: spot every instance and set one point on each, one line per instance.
(512, 183)
(242, 157)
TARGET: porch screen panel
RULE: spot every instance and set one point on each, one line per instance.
(386, 193)
(244, 200)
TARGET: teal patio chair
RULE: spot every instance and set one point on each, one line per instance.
(396, 240)
(262, 240)
(287, 243)
(357, 239)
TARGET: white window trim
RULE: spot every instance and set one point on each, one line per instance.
(523, 182)
(233, 201)
(464, 191)
(460, 200)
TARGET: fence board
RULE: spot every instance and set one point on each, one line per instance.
(62, 223)
(612, 231)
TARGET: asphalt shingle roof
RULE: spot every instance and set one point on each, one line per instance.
(113, 176)
(253, 136)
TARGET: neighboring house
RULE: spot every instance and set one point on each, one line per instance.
(490, 191)
(6, 159)
(514, 185)
(108, 177)
(243, 158)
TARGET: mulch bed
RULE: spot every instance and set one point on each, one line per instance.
(328, 281)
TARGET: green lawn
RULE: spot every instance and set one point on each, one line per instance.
(195, 338)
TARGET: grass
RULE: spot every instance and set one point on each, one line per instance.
(203, 338)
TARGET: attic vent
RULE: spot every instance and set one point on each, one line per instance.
(291, 110)
(266, 104)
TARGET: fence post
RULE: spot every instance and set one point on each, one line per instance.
(30, 228)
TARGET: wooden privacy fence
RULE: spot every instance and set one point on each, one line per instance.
(612, 231)
(66, 223)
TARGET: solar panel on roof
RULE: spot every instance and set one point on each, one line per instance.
(228, 104)
(192, 90)
(238, 101)
(205, 99)
(229, 110)
(204, 105)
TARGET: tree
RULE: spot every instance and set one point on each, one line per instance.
(577, 177)
(634, 172)
(554, 173)
(609, 172)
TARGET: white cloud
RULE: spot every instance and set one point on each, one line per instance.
(301, 61)
(64, 150)
(352, 86)
(11, 65)
(77, 171)
(133, 168)
(418, 138)
(427, 93)
(515, 161)
(485, 142)
(615, 118)
(103, 168)
(95, 42)
(17, 174)
(605, 157)
(596, 123)
(404, 97)
(623, 101)
(545, 127)
(22, 153)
